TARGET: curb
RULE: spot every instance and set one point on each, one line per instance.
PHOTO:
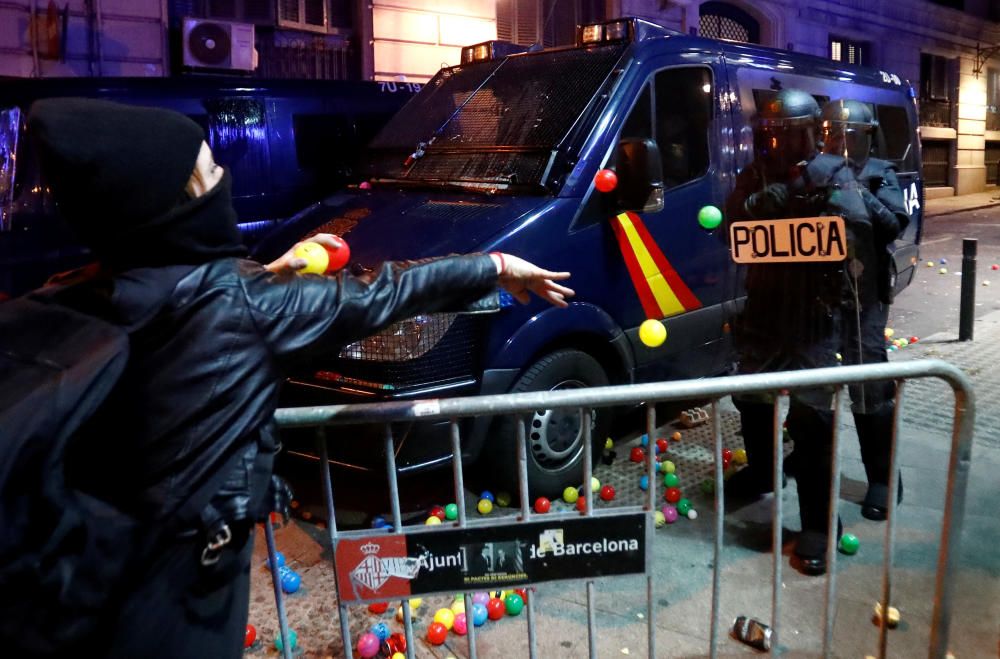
(953, 211)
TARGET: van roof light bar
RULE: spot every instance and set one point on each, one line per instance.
(620, 30)
(490, 50)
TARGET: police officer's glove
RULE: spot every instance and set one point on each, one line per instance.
(279, 497)
(769, 202)
(886, 223)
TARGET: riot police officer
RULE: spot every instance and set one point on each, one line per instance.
(790, 320)
(866, 192)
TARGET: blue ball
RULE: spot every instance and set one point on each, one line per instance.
(478, 615)
(645, 440)
(644, 483)
(290, 581)
(279, 558)
(944, 261)
(488, 496)
(381, 630)
(379, 523)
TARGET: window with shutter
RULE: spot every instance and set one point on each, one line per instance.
(309, 15)
(315, 13)
(288, 11)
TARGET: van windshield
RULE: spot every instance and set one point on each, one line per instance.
(494, 124)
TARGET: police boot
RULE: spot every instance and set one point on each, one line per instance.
(812, 430)
(757, 478)
(875, 437)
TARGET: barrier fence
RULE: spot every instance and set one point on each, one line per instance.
(364, 574)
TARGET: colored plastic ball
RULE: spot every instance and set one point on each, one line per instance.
(250, 636)
(279, 558)
(415, 603)
(995, 267)
(652, 333)
(480, 598)
(378, 608)
(659, 519)
(315, 255)
(523, 593)
(637, 454)
(495, 608)
(667, 467)
(369, 644)
(293, 640)
(513, 603)
(609, 444)
(683, 506)
(930, 264)
(595, 485)
(437, 633)
(581, 504)
(671, 480)
(396, 643)
(433, 520)
(571, 494)
(913, 339)
(740, 456)
(849, 543)
(365, 185)
(692, 514)
(676, 436)
(485, 507)
(727, 455)
(379, 523)
(488, 496)
(605, 180)
(542, 505)
(644, 483)
(395, 655)
(644, 440)
(290, 580)
(503, 499)
(725, 463)
(607, 493)
(381, 630)
(661, 444)
(672, 495)
(943, 271)
(944, 261)
(458, 606)
(437, 511)
(669, 514)
(451, 511)
(445, 616)
(709, 217)
(460, 626)
(479, 614)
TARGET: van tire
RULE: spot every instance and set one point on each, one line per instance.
(554, 437)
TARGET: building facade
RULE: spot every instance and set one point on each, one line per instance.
(949, 50)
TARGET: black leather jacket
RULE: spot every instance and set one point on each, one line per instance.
(210, 347)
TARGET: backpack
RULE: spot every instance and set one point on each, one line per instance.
(61, 552)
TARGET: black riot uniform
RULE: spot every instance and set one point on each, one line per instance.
(865, 191)
(790, 320)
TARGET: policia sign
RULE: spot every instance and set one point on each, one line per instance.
(796, 240)
(398, 566)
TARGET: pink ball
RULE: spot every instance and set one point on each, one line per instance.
(670, 514)
(480, 598)
(459, 626)
(368, 645)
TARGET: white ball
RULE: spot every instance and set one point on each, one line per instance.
(692, 514)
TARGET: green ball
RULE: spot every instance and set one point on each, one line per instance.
(514, 604)
(671, 480)
(683, 506)
(451, 511)
(502, 499)
(708, 486)
(709, 217)
(293, 638)
(849, 543)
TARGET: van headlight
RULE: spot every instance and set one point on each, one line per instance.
(405, 340)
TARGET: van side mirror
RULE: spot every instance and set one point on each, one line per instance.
(640, 175)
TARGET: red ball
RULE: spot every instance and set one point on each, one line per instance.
(637, 454)
(395, 643)
(437, 633)
(995, 267)
(542, 505)
(495, 608)
(523, 593)
(437, 511)
(661, 445)
(607, 493)
(581, 504)
(605, 180)
(378, 607)
(250, 637)
(727, 455)
(339, 256)
(672, 495)
(913, 339)
(725, 463)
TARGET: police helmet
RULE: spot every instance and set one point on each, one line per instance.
(847, 128)
(785, 129)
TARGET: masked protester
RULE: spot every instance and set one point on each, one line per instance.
(211, 337)
(865, 191)
(790, 320)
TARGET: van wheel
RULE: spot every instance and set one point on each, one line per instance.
(554, 437)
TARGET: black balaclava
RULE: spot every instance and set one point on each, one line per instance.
(118, 174)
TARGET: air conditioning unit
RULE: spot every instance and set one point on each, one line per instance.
(212, 44)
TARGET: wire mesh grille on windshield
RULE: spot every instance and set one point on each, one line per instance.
(505, 131)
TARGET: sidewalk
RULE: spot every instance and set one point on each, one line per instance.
(956, 204)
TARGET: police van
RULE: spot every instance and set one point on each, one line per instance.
(501, 153)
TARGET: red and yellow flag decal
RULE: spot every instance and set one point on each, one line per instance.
(661, 290)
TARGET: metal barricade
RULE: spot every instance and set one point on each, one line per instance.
(453, 409)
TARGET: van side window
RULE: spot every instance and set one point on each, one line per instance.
(237, 133)
(893, 138)
(683, 116)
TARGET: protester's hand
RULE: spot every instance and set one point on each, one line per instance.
(288, 262)
(518, 276)
(769, 202)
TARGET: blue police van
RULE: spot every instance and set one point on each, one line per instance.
(501, 153)
(287, 143)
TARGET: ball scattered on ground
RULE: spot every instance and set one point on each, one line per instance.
(669, 514)
(485, 507)
(571, 494)
(740, 456)
(659, 519)
(692, 514)
(503, 499)
(849, 543)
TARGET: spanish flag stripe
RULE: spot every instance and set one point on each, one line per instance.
(667, 302)
(649, 305)
(674, 281)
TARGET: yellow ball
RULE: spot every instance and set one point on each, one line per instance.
(415, 603)
(458, 606)
(652, 333)
(485, 507)
(571, 494)
(445, 616)
(676, 437)
(930, 264)
(889, 332)
(398, 655)
(943, 271)
(595, 485)
(659, 519)
(609, 444)
(431, 521)
(503, 499)
(740, 456)
(316, 257)
(668, 466)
